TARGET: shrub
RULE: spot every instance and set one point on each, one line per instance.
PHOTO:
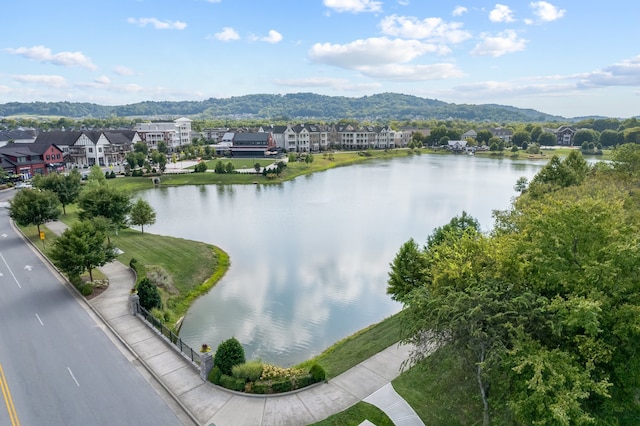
(283, 385)
(215, 375)
(229, 353)
(274, 372)
(149, 294)
(262, 387)
(232, 383)
(201, 167)
(317, 373)
(86, 289)
(249, 371)
(304, 381)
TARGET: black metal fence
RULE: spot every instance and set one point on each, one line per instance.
(170, 335)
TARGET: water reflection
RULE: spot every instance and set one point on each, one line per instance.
(310, 258)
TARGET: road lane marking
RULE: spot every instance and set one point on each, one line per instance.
(73, 377)
(10, 271)
(13, 415)
(39, 320)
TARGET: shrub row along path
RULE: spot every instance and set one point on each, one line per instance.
(206, 404)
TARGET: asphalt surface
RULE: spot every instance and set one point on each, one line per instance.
(58, 364)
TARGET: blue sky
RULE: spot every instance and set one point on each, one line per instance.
(565, 57)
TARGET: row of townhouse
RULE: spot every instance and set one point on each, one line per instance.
(59, 150)
(314, 138)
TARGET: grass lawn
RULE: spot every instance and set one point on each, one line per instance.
(442, 390)
(357, 414)
(354, 349)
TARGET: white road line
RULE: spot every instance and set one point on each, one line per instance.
(39, 320)
(73, 377)
(10, 271)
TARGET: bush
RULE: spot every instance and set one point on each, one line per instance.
(229, 382)
(86, 289)
(215, 375)
(249, 371)
(229, 353)
(283, 385)
(201, 167)
(317, 373)
(262, 387)
(149, 294)
(304, 381)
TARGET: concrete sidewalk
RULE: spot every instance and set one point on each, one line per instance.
(207, 404)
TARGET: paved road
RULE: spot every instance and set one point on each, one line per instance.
(58, 365)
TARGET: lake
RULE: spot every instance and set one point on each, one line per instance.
(310, 257)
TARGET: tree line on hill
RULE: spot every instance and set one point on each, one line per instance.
(384, 106)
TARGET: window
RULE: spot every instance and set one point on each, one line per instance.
(48, 157)
(57, 156)
(90, 150)
(100, 149)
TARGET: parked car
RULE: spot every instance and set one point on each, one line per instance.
(23, 185)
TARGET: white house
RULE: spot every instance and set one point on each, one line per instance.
(175, 133)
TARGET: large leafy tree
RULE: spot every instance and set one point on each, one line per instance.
(66, 187)
(105, 201)
(83, 247)
(34, 207)
(545, 308)
(142, 214)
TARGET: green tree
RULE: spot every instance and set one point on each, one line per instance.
(626, 158)
(483, 136)
(160, 159)
(547, 139)
(162, 147)
(201, 167)
(585, 135)
(520, 137)
(149, 294)
(66, 187)
(228, 168)
(142, 214)
(610, 138)
(105, 201)
(632, 135)
(83, 247)
(96, 177)
(229, 353)
(408, 271)
(34, 207)
(141, 147)
(219, 167)
(536, 131)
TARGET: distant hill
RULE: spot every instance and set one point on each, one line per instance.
(296, 106)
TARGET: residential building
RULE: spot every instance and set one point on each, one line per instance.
(564, 135)
(175, 133)
(16, 136)
(504, 134)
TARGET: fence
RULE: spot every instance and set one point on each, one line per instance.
(173, 338)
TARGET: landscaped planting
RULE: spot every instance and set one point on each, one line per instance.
(257, 377)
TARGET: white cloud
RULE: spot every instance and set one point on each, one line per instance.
(369, 52)
(103, 79)
(403, 2)
(459, 10)
(5, 89)
(158, 24)
(501, 44)
(339, 84)
(353, 6)
(55, 81)
(273, 37)
(545, 11)
(433, 29)
(122, 70)
(66, 59)
(214, 1)
(227, 34)
(401, 72)
(625, 73)
(501, 13)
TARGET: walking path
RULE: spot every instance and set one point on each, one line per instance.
(207, 404)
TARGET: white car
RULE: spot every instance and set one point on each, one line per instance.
(23, 185)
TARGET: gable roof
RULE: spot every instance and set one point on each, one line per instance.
(58, 137)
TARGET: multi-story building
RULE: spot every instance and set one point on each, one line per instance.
(175, 133)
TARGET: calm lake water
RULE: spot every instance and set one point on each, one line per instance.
(310, 257)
